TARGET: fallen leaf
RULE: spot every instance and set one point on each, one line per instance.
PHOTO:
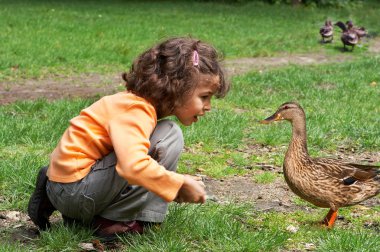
(292, 229)
(87, 246)
(310, 246)
(98, 245)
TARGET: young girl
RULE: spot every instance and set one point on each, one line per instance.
(114, 166)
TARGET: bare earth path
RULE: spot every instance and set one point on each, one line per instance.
(273, 196)
(89, 85)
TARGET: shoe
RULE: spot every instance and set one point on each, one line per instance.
(108, 230)
(40, 207)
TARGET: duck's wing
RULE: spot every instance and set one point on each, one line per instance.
(363, 172)
(361, 32)
(326, 30)
(350, 38)
(360, 29)
(348, 173)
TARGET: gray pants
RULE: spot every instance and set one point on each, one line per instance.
(103, 192)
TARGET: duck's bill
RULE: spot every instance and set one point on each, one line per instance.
(272, 118)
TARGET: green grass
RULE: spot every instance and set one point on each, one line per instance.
(339, 102)
(346, 240)
(214, 227)
(42, 38)
(265, 177)
(73, 37)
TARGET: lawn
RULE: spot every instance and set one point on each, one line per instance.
(47, 38)
(41, 37)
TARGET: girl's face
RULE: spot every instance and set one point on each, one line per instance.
(199, 102)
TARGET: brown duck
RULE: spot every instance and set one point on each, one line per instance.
(324, 182)
(348, 37)
(327, 32)
(360, 31)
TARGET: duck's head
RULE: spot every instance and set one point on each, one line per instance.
(287, 111)
(349, 24)
(341, 25)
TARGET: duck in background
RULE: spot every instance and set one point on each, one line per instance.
(324, 182)
(327, 32)
(360, 31)
(348, 37)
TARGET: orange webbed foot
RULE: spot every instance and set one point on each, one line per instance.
(330, 218)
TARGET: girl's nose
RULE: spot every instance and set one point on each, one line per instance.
(207, 106)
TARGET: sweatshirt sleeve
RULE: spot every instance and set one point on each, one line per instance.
(130, 133)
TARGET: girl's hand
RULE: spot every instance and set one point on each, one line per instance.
(192, 191)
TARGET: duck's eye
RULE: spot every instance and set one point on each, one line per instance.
(286, 107)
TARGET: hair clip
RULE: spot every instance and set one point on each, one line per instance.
(195, 58)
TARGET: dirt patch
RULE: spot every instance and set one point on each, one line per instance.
(17, 225)
(244, 65)
(375, 46)
(242, 189)
(90, 85)
(276, 196)
(58, 87)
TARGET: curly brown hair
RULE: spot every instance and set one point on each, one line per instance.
(165, 74)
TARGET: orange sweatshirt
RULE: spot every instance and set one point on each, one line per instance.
(122, 122)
